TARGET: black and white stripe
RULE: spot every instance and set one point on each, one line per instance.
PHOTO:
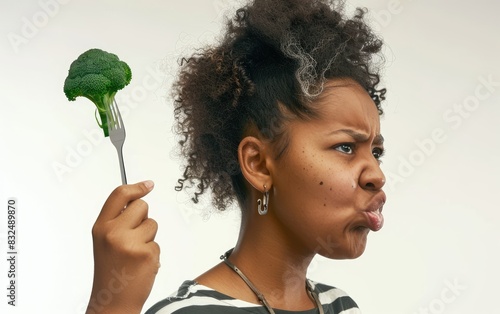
(194, 298)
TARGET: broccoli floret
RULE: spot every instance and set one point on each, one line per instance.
(97, 75)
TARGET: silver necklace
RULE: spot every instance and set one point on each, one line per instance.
(259, 295)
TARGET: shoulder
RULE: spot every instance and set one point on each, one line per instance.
(335, 299)
(194, 298)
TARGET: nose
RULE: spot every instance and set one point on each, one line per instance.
(372, 177)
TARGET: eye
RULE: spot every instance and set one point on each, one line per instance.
(378, 152)
(345, 148)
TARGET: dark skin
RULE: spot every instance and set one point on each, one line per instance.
(320, 189)
(324, 189)
(126, 257)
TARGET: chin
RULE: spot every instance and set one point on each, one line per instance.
(352, 248)
(344, 255)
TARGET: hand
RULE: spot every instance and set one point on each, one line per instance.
(126, 259)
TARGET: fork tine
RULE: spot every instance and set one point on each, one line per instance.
(118, 115)
(112, 109)
(108, 117)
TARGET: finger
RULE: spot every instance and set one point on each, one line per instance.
(134, 214)
(146, 231)
(121, 196)
(155, 249)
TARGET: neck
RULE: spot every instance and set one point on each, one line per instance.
(273, 262)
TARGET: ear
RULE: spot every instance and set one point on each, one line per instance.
(253, 155)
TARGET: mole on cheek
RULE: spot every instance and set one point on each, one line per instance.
(321, 183)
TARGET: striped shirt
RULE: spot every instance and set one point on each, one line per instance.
(194, 298)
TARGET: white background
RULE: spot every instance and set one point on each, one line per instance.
(442, 214)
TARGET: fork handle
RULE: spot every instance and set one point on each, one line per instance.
(122, 165)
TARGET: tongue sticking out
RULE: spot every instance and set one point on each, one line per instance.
(376, 220)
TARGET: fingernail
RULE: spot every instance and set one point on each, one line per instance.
(149, 184)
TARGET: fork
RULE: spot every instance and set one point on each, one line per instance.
(116, 131)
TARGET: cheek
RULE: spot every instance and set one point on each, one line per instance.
(314, 200)
(312, 183)
(337, 184)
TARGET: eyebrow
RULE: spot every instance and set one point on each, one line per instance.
(360, 137)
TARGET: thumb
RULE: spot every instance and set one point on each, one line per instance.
(121, 196)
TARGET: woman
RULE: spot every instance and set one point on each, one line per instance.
(281, 116)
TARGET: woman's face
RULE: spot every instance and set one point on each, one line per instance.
(326, 191)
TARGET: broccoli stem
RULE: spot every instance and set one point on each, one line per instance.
(104, 122)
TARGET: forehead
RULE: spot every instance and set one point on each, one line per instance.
(344, 103)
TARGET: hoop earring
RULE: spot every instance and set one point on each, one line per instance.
(263, 205)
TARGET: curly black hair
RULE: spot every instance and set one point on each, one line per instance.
(274, 58)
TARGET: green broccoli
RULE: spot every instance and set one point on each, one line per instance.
(97, 75)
